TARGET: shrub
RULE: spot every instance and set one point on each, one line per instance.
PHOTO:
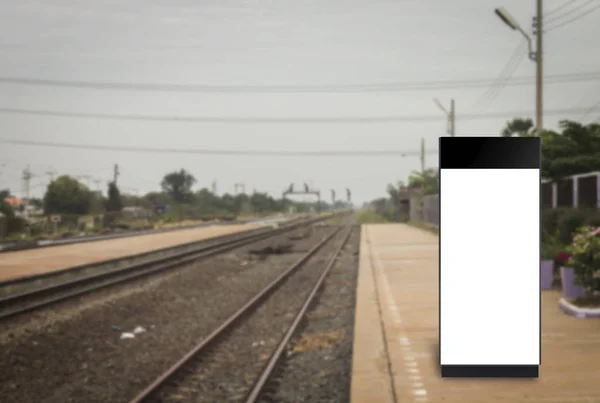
(585, 258)
(563, 222)
(550, 220)
(569, 223)
(550, 246)
(553, 249)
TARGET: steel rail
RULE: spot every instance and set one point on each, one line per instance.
(74, 269)
(155, 386)
(264, 377)
(131, 272)
(8, 247)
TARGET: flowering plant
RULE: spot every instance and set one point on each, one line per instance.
(562, 257)
(585, 258)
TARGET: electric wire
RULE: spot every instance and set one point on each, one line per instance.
(257, 153)
(241, 89)
(557, 9)
(570, 21)
(273, 120)
(590, 110)
(569, 12)
(498, 86)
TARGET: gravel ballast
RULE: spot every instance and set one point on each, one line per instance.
(75, 354)
(318, 364)
(227, 371)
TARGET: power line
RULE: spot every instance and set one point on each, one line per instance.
(569, 12)
(592, 90)
(280, 153)
(273, 120)
(590, 110)
(577, 17)
(557, 9)
(513, 63)
(380, 87)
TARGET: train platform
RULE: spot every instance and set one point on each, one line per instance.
(37, 261)
(395, 356)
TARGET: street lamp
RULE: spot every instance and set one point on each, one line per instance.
(534, 55)
(451, 115)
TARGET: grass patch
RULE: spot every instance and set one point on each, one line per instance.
(369, 217)
(424, 226)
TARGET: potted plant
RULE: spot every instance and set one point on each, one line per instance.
(547, 266)
(551, 249)
(580, 274)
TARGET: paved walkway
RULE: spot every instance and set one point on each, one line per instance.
(396, 334)
(35, 261)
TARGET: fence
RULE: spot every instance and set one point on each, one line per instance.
(426, 209)
(575, 191)
(581, 190)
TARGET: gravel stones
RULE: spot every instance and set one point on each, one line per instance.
(73, 353)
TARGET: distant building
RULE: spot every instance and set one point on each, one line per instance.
(14, 202)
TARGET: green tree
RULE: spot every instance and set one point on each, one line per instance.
(397, 200)
(228, 202)
(158, 198)
(114, 202)
(575, 150)
(36, 203)
(178, 185)
(5, 208)
(263, 203)
(517, 126)
(427, 181)
(207, 201)
(66, 195)
(242, 203)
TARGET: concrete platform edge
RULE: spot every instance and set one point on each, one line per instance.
(370, 378)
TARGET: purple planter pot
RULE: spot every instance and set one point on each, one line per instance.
(570, 289)
(547, 274)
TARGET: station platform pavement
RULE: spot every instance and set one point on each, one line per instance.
(31, 262)
(395, 356)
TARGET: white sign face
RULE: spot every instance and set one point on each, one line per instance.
(490, 257)
(55, 218)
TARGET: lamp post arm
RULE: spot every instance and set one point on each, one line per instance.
(532, 54)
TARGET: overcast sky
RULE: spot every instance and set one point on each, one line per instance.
(270, 43)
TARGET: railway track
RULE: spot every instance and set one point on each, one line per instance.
(28, 245)
(25, 302)
(235, 361)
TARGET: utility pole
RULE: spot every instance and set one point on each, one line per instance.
(535, 55)
(450, 114)
(26, 181)
(116, 173)
(539, 102)
(214, 187)
(422, 154)
(452, 119)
